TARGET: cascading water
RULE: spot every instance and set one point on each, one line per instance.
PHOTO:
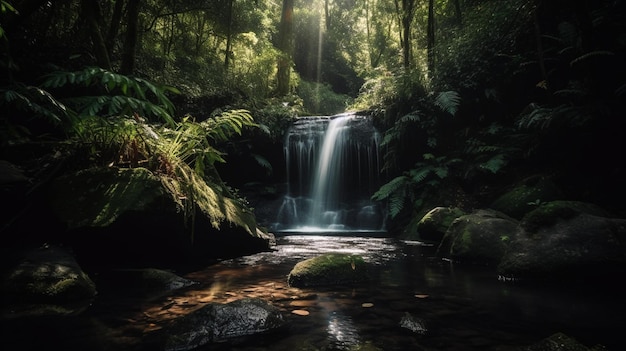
(333, 168)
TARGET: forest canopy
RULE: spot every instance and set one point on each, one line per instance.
(465, 91)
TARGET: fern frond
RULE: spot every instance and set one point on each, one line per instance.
(571, 93)
(592, 54)
(418, 175)
(390, 135)
(229, 123)
(35, 100)
(387, 189)
(448, 101)
(124, 94)
(495, 164)
(263, 162)
(410, 117)
(396, 203)
(539, 118)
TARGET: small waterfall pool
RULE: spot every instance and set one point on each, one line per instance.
(461, 307)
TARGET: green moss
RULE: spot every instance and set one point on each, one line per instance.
(328, 269)
(523, 198)
(550, 213)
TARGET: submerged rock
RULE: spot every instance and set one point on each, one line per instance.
(148, 282)
(217, 322)
(328, 269)
(560, 342)
(413, 324)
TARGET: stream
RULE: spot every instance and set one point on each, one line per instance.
(461, 307)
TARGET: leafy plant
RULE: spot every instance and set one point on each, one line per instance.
(113, 94)
(448, 101)
(407, 187)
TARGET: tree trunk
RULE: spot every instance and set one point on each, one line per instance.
(114, 27)
(229, 35)
(431, 36)
(285, 45)
(130, 42)
(405, 10)
(91, 12)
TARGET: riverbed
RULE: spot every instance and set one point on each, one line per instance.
(460, 307)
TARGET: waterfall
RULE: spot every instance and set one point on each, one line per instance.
(332, 169)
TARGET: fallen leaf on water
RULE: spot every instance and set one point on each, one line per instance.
(367, 304)
(300, 312)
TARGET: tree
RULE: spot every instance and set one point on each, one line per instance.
(431, 36)
(406, 11)
(285, 45)
(130, 42)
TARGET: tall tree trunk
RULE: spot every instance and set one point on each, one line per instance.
(405, 10)
(91, 13)
(229, 35)
(285, 45)
(431, 36)
(130, 42)
(114, 27)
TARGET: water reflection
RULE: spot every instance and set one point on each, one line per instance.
(342, 332)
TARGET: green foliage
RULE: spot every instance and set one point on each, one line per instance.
(114, 94)
(448, 101)
(408, 187)
(5, 7)
(183, 157)
(319, 99)
(34, 100)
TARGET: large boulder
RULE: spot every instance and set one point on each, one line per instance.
(216, 322)
(329, 269)
(523, 197)
(566, 240)
(44, 281)
(434, 225)
(480, 237)
(123, 217)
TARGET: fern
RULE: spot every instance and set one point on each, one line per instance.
(121, 94)
(396, 203)
(229, 123)
(418, 175)
(389, 188)
(495, 163)
(589, 55)
(34, 100)
(448, 101)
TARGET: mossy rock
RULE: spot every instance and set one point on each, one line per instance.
(329, 269)
(549, 213)
(481, 237)
(433, 226)
(48, 274)
(524, 197)
(560, 342)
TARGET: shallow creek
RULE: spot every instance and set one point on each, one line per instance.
(462, 308)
